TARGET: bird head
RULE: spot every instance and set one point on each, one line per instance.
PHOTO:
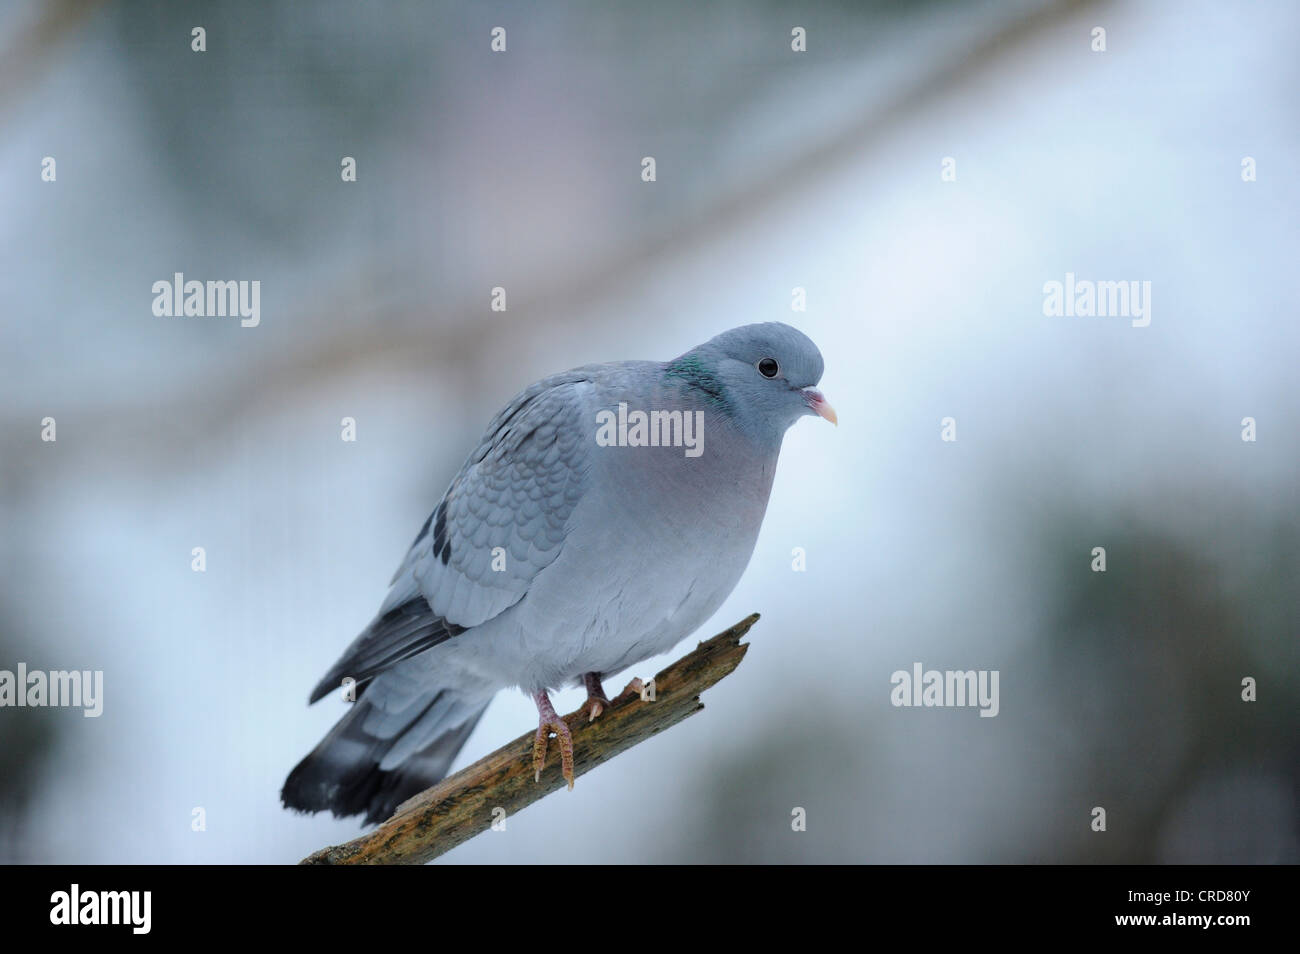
(762, 376)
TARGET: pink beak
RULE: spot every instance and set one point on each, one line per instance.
(820, 406)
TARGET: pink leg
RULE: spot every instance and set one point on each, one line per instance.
(547, 722)
(597, 702)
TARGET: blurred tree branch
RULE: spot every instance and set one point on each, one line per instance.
(462, 345)
(28, 52)
(464, 804)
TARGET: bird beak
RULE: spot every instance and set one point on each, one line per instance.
(820, 406)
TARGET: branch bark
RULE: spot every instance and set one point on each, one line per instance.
(462, 805)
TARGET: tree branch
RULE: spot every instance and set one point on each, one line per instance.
(461, 806)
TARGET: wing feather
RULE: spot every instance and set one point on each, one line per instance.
(515, 492)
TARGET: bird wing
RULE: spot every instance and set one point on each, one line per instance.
(501, 522)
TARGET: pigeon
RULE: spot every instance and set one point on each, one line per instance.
(605, 515)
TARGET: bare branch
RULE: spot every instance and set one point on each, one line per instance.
(461, 806)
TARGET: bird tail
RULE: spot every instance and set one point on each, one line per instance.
(391, 745)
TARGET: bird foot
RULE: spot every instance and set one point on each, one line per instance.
(547, 722)
(597, 702)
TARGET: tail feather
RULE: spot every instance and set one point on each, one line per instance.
(374, 760)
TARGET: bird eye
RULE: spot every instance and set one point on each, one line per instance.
(768, 368)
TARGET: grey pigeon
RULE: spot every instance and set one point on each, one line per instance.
(606, 514)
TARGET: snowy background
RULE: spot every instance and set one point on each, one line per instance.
(775, 170)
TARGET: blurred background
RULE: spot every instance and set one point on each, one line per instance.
(775, 170)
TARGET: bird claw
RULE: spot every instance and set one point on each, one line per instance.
(597, 702)
(540, 743)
